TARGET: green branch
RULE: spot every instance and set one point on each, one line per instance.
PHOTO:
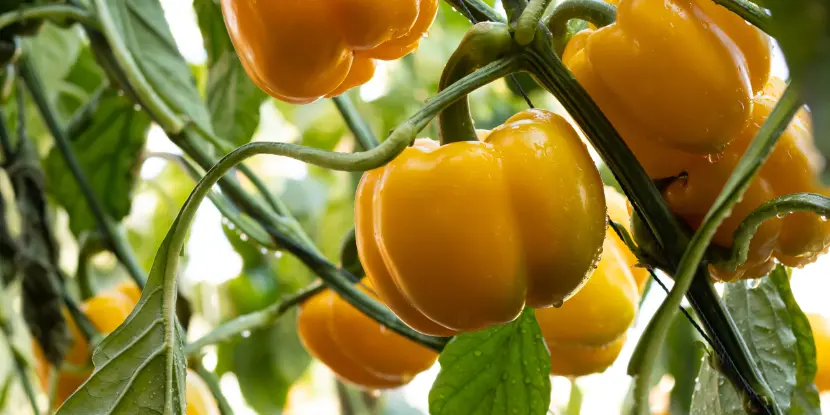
(597, 12)
(117, 241)
(53, 12)
(750, 12)
(642, 362)
(253, 321)
(526, 25)
(362, 133)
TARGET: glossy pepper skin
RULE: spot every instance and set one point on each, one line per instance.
(792, 167)
(355, 347)
(680, 73)
(462, 236)
(821, 336)
(586, 334)
(300, 50)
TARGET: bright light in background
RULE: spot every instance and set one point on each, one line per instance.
(378, 86)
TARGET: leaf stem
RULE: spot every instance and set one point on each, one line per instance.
(526, 25)
(117, 241)
(597, 12)
(160, 111)
(53, 12)
(751, 12)
(253, 321)
(642, 363)
(362, 133)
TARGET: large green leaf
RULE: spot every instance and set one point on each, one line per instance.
(232, 99)
(139, 368)
(145, 32)
(84, 77)
(779, 339)
(108, 149)
(500, 370)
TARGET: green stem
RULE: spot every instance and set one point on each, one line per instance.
(778, 207)
(526, 26)
(484, 43)
(479, 11)
(253, 321)
(597, 12)
(213, 384)
(161, 112)
(750, 12)
(574, 399)
(362, 133)
(53, 12)
(118, 243)
(222, 204)
(642, 362)
(327, 271)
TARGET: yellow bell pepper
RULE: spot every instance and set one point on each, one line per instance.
(462, 236)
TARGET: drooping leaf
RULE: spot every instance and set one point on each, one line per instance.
(108, 150)
(777, 334)
(139, 368)
(144, 30)
(232, 98)
(501, 370)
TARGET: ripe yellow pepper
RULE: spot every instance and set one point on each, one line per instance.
(680, 73)
(821, 336)
(200, 400)
(462, 236)
(106, 311)
(355, 347)
(300, 50)
(792, 167)
(586, 334)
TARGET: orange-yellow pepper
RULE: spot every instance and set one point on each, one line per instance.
(106, 311)
(792, 167)
(200, 400)
(679, 73)
(821, 336)
(300, 50)
(356, 348)
(462, 236)
(587, 332)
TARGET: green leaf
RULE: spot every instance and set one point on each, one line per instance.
(270, 360)
(777, 334)
(83, 79)
(147, 36)
(232, 98)
(500, 370)
(53, 52)
(139, 368)
(109, 149)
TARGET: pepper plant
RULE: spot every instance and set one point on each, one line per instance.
(97, 97)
